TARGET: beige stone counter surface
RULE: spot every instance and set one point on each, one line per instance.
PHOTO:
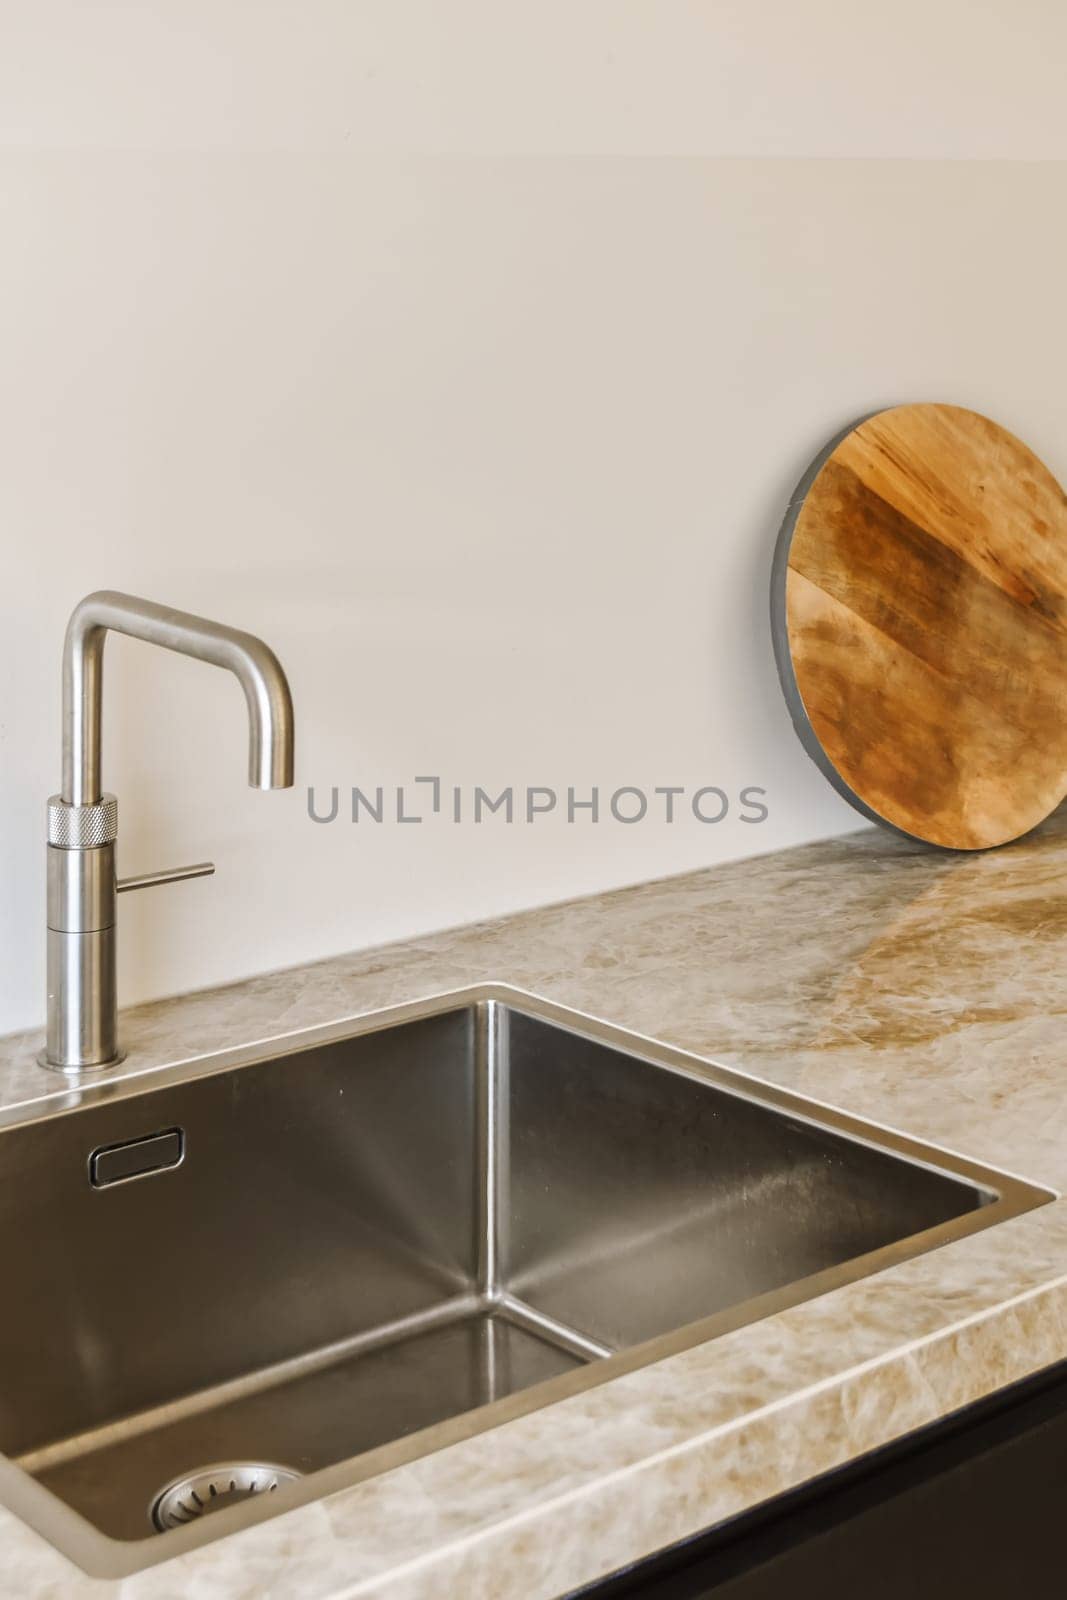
(920, 990)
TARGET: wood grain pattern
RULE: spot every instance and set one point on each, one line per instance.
(921, 625)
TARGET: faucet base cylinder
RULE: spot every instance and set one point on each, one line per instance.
(82, 1033)
(82, 1028)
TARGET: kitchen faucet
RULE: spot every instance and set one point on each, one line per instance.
(82, 1032)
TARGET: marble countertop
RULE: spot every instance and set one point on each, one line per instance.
(920, 990)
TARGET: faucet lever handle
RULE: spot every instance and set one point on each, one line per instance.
(149, 880)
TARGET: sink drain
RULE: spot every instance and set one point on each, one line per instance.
(214, 1488)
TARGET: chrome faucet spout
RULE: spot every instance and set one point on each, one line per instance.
(83, 819)
(256, 667)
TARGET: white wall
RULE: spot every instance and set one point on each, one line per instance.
(468, 352)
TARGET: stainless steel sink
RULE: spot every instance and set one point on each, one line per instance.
(336, 1253)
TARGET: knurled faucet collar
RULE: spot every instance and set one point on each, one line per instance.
(82, 827)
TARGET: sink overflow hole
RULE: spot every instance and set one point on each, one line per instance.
(213, 1489)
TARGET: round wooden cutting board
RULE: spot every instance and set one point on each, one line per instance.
(919, 615)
